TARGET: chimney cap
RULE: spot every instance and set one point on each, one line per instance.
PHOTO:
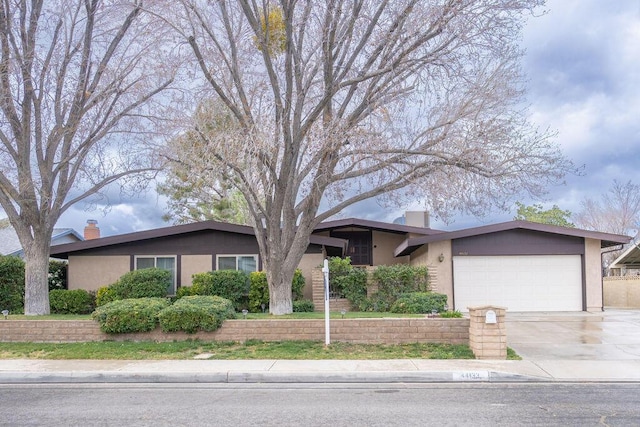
(92, 221)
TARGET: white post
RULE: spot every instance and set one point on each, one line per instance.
(327, 330)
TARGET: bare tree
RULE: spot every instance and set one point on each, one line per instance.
(346, 100)
(79, 81)
(618, 210)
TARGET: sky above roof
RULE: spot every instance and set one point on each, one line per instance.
(583, 70)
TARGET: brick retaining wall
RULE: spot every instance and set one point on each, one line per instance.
(374, 331)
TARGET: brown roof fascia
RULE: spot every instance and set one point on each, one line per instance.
(606, 239)
(64, 249)
(374, 225)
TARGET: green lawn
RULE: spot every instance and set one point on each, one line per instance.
(289, 350)
(314, 315)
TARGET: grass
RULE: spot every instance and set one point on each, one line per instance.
(253, 349)
(50, 317)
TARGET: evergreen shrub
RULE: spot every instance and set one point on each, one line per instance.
(130, 315)
(76, 301)
(196, 313)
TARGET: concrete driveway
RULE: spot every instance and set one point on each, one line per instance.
(611, 335)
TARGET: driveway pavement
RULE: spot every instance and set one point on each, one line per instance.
(606, 336)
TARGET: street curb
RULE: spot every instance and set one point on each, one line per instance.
(237, 377)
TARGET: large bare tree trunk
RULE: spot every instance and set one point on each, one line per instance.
(36, 297)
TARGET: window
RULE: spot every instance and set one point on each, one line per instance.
(164, 262)
(246, 263)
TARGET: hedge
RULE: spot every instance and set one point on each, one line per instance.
(303, 306)
(419, 302)
(77, 301)
(11, 284)
(130, 315)
(230, 284)
(196, 313)
(145, 283)
(396, 280)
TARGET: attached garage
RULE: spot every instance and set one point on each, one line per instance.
(520, 265)
(520, 283)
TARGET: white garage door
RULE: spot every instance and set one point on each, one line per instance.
(519, 283)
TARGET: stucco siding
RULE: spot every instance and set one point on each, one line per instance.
(383, 246)
(93, 272)
(593, 275)
(192, 264)
(440, 272)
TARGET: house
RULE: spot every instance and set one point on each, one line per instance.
(520, 265)
(621, 289)
(628, 263)
(10, 244)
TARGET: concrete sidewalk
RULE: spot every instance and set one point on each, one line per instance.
(314, 371)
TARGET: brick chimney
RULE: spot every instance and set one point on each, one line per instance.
(91, 231)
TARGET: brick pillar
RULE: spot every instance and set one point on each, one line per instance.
(317, 288)
(488, 340)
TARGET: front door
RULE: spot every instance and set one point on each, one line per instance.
(359, 249)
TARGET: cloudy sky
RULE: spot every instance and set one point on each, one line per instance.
(583, 67)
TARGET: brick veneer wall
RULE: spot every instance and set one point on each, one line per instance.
(391, 331)
(488, 340)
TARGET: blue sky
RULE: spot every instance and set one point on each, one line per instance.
(583, 71)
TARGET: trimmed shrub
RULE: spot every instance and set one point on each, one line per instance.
(145, 283)
(184, 291)
(77, 301)
(303, 306)
(396, 280)
(104, 295)
(259, 289)
(196, 313)
(230, 284)
(57, 274)
(348, 281)
(419, 302)
(11, 284)
(129, 315)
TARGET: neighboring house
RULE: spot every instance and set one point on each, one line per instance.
(520, 265)
(628, 263)
(10, 244)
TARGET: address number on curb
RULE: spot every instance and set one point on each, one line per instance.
(471, 376)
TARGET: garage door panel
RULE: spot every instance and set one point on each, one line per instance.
(520, 283)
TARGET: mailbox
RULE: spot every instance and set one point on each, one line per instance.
(490, 317)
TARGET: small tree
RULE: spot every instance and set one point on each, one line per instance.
(536, 213)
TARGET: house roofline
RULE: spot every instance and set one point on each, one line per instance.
(63, 250)
(606, 239)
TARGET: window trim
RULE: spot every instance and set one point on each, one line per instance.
(236, 256)
(155, 263)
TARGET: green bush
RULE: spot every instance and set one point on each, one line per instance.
(396, 280)
(348, 281)
(184, 291)
(419, 302)
(230, 284)
(196, 313)
(259, 289)
(11, 284)
(57, 274)
(77, 301)
(104, 295)
(130, 315)
(451, 314)
(145, 283)
(303, 306)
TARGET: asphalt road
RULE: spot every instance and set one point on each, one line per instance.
(320, 405)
